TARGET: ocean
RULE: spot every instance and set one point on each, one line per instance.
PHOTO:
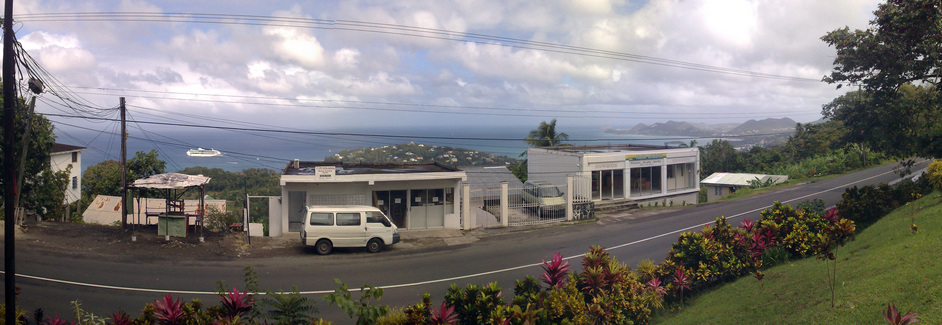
(243, 149)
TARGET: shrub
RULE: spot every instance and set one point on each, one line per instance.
(220, 220)
(934, 174)
(476, 304)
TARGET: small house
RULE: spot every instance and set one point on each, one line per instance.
(719, 185)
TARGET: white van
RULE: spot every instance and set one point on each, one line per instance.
(326, 227)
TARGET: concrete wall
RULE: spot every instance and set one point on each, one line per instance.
(712, 195)
(62, 160)
(671, 200)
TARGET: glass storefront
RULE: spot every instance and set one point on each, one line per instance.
(645, 181)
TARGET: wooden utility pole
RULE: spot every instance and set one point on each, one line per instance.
(9, 163)
(124, 167)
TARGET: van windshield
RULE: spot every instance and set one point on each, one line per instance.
(550, 191)
(376, 217)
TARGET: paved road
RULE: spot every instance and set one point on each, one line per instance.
(406, 275)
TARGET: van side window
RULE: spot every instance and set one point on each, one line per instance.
(348, 219)
(375, 217)
(322, 219)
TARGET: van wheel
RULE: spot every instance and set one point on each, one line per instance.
(374, 245)
(323, 247)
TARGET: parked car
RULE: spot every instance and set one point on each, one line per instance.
(545, 198)
(326, 227)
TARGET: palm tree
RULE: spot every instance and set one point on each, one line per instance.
(546, 136)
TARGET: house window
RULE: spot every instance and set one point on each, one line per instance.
(717, 191)
(75, 157)
(74, 182)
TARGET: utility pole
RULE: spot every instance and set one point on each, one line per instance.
(124, 168)
(9, 163)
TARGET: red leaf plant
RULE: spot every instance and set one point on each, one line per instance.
(746, 224)
(56, 321)
(120, 318)
(682, 282)
(832, 215)
(555, 271)
(655, 284)
(237, 303)
(444, 315)
(168, 311)
(894, 317)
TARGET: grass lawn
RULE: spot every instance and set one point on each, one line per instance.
(887, 263)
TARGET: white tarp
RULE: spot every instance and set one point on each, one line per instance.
(171, 181)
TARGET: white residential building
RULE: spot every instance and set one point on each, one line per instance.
(60, 159)
(644, 174)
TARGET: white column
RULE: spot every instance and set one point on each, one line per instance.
(569, 191)
(504, 208)
(664, 176)
(466, 218)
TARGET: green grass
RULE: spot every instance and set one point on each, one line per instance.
(887, 263)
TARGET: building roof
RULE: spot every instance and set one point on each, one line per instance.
(608, 148)
(739, 179)
(171, 181)
(60, 147)
(491, 177)
(309, 168)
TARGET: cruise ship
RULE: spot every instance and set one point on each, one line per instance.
(200, 152)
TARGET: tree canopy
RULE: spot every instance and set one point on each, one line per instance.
(545, 135)
(41, 188)
(897, 63)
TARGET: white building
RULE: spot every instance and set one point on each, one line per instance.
(60, 159)
(413, 195)
(719, 185)
(645, 174)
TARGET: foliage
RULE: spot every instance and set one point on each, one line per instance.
(933, 174)
(719, 156)
(168, 311)
(815, 206)
(545, 135)
(554, 272)
(897, 63)
(475, 304)
(220, 220)
(290, 308)
(41, 140)
(363, 310)
(46, 193)
(237, 304)
(519, 169)
(83, 317)
(444, 315)
(866, 204)
(893, 316)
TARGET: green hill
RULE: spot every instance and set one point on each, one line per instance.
(417, 152)
(887, 263)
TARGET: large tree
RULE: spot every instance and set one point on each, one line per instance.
(104, 178)
(897, 63)
(40, 186)
(544, 135)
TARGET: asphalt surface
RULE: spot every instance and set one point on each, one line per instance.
(52, 281)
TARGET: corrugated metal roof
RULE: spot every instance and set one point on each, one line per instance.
(171, 181)
(741, 179)
(480, 178)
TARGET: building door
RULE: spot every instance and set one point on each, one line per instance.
(427, 209)
(417, 216)
(394, 204)
(607, 185)
(297, 202)
(596, 185)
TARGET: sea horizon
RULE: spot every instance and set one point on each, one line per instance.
(246, 149)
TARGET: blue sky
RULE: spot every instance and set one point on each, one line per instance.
(267, 73)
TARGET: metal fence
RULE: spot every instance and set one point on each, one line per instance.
(532, 205)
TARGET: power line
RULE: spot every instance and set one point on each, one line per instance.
(401, 136)
(394, 29)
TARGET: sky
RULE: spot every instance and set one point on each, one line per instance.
(318, 65)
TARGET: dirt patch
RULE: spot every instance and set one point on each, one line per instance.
(113, 242)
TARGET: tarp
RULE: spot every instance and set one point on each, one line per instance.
(171, 181)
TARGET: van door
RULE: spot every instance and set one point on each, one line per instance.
(350, 231)
(378, 226)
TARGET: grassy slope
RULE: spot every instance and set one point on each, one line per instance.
(887, 263)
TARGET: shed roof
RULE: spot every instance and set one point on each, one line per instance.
(491, 177)
(741, 179)
(171, 181)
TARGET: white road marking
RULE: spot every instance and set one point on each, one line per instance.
(412, 284)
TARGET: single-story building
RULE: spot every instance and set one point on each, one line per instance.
(413, 195)
(640, 173)
(719, 185)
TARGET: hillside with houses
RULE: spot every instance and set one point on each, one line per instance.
(416, 152)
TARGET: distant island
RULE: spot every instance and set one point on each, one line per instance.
(417, 152)
(765, 132)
